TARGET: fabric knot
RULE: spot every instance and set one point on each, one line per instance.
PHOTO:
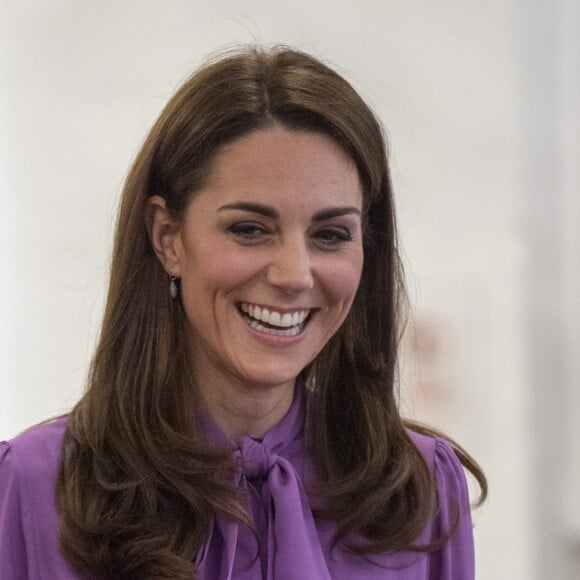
(257, 459)
(287, 546)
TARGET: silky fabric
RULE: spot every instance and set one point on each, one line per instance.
(276, 475)
(288, 546)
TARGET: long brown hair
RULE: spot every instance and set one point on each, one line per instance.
(137, 486)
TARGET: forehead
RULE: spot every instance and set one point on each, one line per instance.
(283, 166)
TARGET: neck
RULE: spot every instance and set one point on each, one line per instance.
(242, 410)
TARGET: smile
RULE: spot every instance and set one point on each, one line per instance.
(274, 322)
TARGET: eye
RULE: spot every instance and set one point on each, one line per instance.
(333, 236)
(248, 232)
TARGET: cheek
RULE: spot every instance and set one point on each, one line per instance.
(342, 281)
(215, 272)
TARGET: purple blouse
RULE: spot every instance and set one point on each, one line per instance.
(290, 544)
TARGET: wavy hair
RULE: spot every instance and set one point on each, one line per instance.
(137, 486)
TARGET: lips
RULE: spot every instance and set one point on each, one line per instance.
(271, 321)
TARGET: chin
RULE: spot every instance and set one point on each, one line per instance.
(271, 379)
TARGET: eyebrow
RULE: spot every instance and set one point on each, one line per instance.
(268, 211)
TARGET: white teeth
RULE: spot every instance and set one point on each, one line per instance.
(285, 332)
(287, 321)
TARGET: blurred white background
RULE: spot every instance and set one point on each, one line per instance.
(481, 104)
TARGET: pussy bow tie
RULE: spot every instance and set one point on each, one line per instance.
(287, 545)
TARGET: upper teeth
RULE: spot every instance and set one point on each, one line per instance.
(273, 317)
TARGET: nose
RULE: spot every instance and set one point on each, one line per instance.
(291, 268)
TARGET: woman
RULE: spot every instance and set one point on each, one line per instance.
(240, 419)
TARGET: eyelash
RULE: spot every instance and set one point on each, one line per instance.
(335, 235)
(250, 233)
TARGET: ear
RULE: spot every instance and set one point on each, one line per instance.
(164, 235)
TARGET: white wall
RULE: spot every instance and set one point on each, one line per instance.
(81, 82)
(550, 56)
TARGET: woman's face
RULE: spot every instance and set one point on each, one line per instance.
(270, 256)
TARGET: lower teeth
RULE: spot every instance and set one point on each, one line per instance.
(292, 331)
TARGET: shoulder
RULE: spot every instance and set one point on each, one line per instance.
(425, 444)
(440, 457)
(452, 518)
(35, 452)
(448, 476)
(28, 516)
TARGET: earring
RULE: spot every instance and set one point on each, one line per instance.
(172, 287)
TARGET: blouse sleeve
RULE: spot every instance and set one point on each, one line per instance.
(13, 554)
(455, 561)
